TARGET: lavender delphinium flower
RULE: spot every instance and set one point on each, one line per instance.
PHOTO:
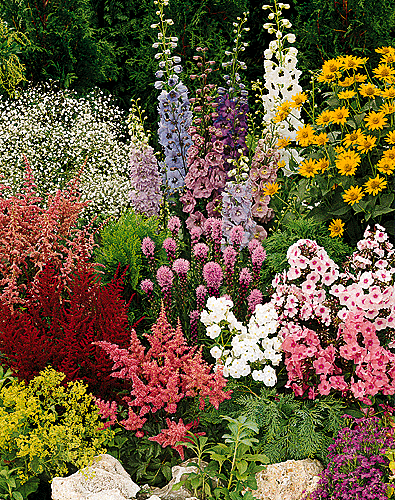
(145, 180)
(174, 108)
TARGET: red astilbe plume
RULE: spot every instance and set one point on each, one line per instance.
(167, 372)
(32, 235)
(59, 326)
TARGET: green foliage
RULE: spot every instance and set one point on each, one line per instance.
(277, 244)
(233, 464)
(11, 70)
(47, 428)
(293, 429)
(326, 29)
(120, 245)
(146, 461)
(64, 44)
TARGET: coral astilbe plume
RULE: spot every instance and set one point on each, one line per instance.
(58, 325)
(32, 236)
(162, 376)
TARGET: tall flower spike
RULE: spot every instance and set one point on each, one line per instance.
(175, 116)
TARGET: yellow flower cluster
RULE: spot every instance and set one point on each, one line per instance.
(353, 139)
(44, 425)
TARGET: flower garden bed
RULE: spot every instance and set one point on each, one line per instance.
(229, 298)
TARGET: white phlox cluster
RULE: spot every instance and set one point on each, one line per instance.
(281, 80)
(244, 350)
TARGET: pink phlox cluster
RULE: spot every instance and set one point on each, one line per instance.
(163, 375)
(367, 283)
(145, 180)
(356, 350)
(175, 433)
(263, 170)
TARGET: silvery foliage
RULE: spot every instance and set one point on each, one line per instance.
(57, 131)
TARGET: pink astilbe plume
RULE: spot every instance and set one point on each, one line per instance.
(33, 235)
(167, 372)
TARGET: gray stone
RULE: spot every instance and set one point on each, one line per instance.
(105, 479)
(290, 480)
(178, 473)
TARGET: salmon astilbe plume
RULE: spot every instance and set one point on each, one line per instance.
(163, 375)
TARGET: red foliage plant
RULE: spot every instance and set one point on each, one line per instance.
(58, 327)
(32, 236)
(162, 376)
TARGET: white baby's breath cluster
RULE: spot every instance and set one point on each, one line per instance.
(244, 350)
(57, 130)
(281, 80)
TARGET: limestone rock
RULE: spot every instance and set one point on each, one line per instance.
(290, 480)
(105, 479)
(178, 473)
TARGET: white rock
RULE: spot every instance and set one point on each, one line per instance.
(105, 479)
(290, 480)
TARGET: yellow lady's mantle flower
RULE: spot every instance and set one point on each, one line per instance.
(353, 195)
(336, 227)
(375, 185)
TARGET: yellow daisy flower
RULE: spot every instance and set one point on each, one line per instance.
(336, 227)
(388, 108)
(283, 142)
(309, 168)
(369, 90)
(323, 164)
(388, 59)
(305, 136)
(353, 195)
(299, 100)
(324, 118)
(352, 62)
(389, 154)
(347, 82)
(271, 188)
(340, 115)
(375, 121)
(375, 185)
(346, 94)
(367, 143)
(330, 71)
(388, 93)
(390, 137)
(386, 166)
(384, 72)
(353, 138)
(347, 164)
(385, 50)
(359, 78)
(282, 111)
(321, 139)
